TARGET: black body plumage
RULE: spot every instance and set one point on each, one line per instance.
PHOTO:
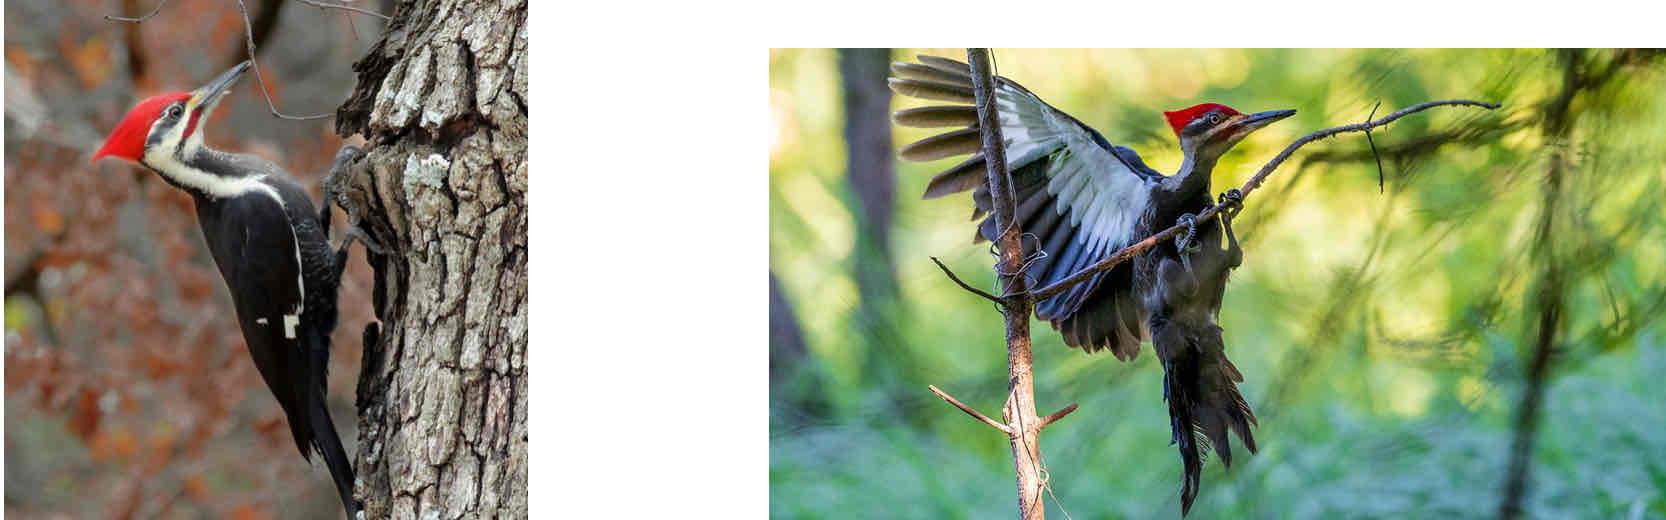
(275, 257)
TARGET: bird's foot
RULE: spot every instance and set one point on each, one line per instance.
(1185, 243)
(335, 181)
(335, 187)
(1233, 200)
(356, 232)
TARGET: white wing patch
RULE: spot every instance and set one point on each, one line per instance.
(1099, 192)
(289, 323)
(1028, 127)
(262, 321)
(294, 318)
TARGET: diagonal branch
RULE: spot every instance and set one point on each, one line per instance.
(140, 19)
(249, 38)
(366, 12)
(963, 285)
(249, 41)
(970, 411)
(1056, 416)
(1129, 252)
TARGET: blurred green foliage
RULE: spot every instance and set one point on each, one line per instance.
(1382, 335)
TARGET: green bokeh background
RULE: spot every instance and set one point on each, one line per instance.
(1383, 336)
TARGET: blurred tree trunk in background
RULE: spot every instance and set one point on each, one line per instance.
(873, 181)
(786, 341)
(442, 398)
(1564, 251)
(873, 175)
(796, 393)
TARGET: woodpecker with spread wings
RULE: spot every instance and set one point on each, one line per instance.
(1083, 198)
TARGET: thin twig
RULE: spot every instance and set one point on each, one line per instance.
(249, 38)
(352, 27)
(1056, 416)
(366, 12)
(1373, 143)
(1255, 182)
(153, 12)
(963, 285)
(969, 411)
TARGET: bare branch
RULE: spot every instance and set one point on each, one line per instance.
(265, 23)
(969, 411)
(140, 19)
(366, 12)
(1255, 182)
(249, 38)
(1373, 143)
(963, 285)
(1015, 309)
(1056, 416)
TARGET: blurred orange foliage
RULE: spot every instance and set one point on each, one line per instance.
(123, 356)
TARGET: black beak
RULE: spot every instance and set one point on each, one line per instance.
(1253, 122)
(210, 94)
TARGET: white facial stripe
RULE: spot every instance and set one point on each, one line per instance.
(162, 158)
(163, 161)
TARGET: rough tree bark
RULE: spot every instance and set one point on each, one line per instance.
(442, 399)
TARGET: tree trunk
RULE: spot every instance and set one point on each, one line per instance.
(888, 363)
(442, 399)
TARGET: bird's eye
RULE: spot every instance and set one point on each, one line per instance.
(175, 111)
(1214, 119)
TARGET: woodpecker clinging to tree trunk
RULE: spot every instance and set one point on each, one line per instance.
(271, 246)
(1083, 199)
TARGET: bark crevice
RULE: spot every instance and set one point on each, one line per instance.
(442, 394)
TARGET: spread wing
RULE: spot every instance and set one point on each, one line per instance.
(1081, 197)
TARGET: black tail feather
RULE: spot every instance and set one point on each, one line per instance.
(324, 437)
(335, 456)
(1200, 384)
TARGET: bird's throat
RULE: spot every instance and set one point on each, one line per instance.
(1193, 177)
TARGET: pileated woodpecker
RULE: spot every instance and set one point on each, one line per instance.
(272, 249)
(1083, 199)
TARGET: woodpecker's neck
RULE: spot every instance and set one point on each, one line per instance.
(1193, 177)
(205, 172)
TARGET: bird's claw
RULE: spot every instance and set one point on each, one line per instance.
(1185, 243)
(338, 173)
(1232, 202)
(354, 232)
(334, 193)
(1232, 196)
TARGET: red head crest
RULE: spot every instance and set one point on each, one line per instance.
(1179, 118)
(127, 141)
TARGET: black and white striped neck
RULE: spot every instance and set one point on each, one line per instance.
(207, 173)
